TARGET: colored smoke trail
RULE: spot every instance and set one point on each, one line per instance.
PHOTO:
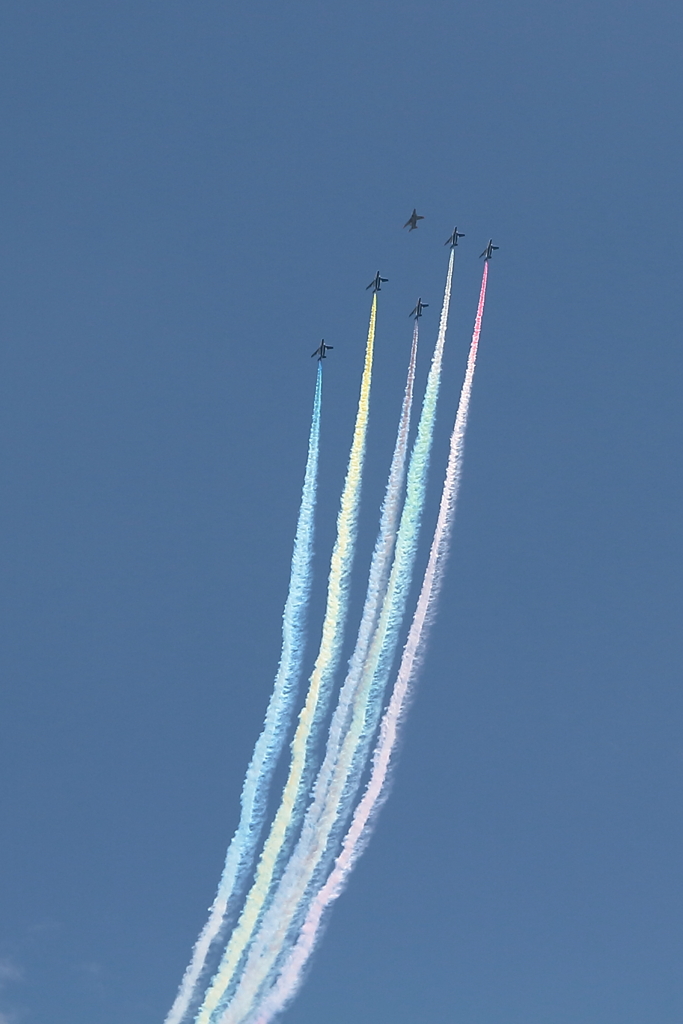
(379, 565)
(341, 773)
(295, 791)
(364, 816)
(242, 848)
(382, 652)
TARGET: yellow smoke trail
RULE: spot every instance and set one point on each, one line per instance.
(318, 691)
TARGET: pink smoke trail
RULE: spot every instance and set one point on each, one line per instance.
(365, 814)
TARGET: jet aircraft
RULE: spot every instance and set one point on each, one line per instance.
(412, 220)
(488, 251)
(377, 282)
(321, 350)
(453, 240)
(417, 312)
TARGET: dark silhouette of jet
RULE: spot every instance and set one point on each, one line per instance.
(376, 283)
(453, 240)
(488, 251)
(412, 220)
(417, 312)
(321, 350)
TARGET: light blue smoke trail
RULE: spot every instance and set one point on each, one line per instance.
(341, 773)
(242, 849)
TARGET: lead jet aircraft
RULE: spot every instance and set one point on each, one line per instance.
(417, 312)
(488, 251)
(323, 348)
(377, 282)
(412, 220)
(453, 240)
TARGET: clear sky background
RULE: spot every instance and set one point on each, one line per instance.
(192, 195)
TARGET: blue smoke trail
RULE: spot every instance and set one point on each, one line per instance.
(242, 849)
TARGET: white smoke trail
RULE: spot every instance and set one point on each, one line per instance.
(290, 972)
(341, 773)
(294, 794)
(242, 848)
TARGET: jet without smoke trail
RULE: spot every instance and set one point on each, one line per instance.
(290, 972)
(412, 220)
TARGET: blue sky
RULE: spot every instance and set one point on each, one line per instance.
(193, 195)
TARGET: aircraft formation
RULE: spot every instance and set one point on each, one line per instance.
(378, 281)
(300, 834)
